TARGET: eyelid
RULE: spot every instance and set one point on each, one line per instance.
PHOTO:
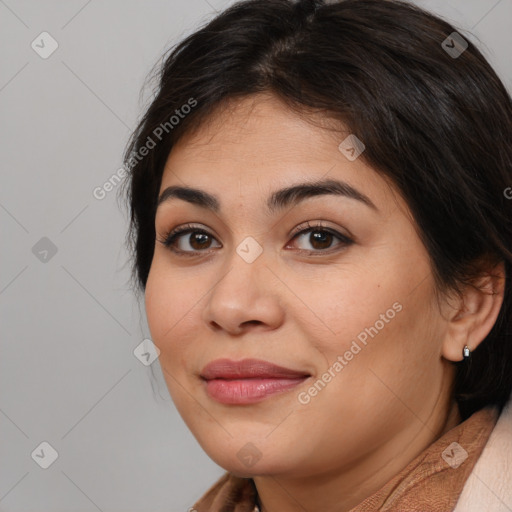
(170, 237)
(320, 225)
(184, 228)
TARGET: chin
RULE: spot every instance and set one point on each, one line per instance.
(249, 461)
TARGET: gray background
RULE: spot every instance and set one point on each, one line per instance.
(69, 324)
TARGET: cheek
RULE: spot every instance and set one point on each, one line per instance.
(172, 319)
(389, 365)
(376, 332)
(340, 304)
(170, 303)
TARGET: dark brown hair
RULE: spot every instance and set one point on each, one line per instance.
(438, 125)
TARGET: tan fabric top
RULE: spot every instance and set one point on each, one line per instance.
(432, 482)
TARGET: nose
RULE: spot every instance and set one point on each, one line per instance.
(246, 298)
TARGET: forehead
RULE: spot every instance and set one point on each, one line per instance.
(259, 143)
(260, 127)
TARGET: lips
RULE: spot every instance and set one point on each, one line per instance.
(247, 369)
(248, 381)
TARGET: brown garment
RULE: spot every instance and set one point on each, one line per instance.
(432, 482)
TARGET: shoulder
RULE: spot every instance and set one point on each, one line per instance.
(489, 486)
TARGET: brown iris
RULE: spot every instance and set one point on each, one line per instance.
(200, 241)
(320, 239)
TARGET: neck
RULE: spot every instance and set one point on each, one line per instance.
(342, 490)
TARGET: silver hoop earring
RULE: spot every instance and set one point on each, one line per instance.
(466, 353)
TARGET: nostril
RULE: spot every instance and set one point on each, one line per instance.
(215, 325)
(251, 322)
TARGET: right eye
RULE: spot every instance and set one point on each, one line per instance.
(190, 239)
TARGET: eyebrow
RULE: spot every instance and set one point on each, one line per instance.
(278, 200)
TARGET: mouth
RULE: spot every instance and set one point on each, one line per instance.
(248, 381)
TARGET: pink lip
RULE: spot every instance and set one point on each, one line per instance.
(248, 381)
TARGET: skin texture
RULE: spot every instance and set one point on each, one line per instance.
(302, 310)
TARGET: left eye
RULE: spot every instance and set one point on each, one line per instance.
(319, 239)
(190, 240)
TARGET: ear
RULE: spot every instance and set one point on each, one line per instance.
(472, 316)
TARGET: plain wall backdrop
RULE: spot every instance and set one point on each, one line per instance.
(69, 320)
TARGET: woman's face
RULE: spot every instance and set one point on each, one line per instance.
(331, 283)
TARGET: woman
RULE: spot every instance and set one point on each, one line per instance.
(321, 227)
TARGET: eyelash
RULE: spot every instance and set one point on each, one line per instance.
(171, 237)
